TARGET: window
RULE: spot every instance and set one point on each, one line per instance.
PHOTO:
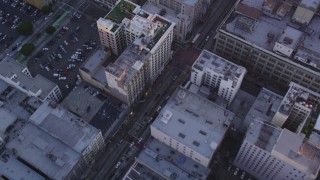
(181, 121)
(182, 135)
(196, 143)
(202, 132)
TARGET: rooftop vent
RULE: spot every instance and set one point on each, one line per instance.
(287, 40)
(182, 135)
(245, 23)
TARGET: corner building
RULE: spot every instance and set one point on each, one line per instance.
(275, 39)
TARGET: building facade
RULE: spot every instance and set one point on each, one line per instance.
(296, 107)
(147, 33)
(266, 38)
(268, 152)
(127, 77)
(219, 74)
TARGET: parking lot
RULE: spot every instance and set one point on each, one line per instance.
(12, 13)
(60, 58)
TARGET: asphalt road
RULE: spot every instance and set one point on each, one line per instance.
(136, 126)
(215, 14)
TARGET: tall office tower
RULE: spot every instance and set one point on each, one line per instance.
(278, 39)
(192, 8)
(192, 125)
(268, 152)
(126, 77)
(296, 107)
(127, 23)
(217, 73)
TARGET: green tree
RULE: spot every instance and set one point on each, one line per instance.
(50, 29)
(46, 9)
(25, 28)
(27, 49)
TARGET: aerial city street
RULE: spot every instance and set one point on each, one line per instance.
(159, 89)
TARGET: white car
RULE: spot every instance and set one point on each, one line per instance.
(118, 165)
(236, 171)
(62, 78)
(45, 49)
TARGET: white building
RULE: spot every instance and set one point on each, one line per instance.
(217, 73)
(69, 129)
(192, 125)
(127, 76)
(19, 76)
(296, 108)
(268, 152)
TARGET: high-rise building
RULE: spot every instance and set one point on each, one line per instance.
(20, 77)
(192, 8)
(277, 39)
(147, 36)
(127, 76)
(184, 23)
(219, 74)
(39, 3)
(268, 152)
(192, 125)
(296, 107)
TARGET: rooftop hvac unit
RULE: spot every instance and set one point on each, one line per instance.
(245, 23)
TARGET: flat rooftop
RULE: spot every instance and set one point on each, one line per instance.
(131, 16)
(265, 106)
(169, 13)
(14, 169)
(7, 119)
(11, 69)
(298, 149)
(81, 102)
(298, 94)
(213, 62)
(123, 9)
(13, 101)
(128, 63)
(194, 121)
(250, 22)
(168, 163)
(75, 133)
(262, 134)
(92, 64)
(44, 152)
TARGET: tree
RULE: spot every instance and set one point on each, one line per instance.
(46, 9)
(25, 28)
(27, 49)
(50, 29)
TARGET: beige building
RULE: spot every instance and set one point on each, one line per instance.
(192, 125)
(268, 152)
(20, 77)
(150, 34)
(39, 3)
(127, 77)
(221, 75)
(295, 108)
(266, 38)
